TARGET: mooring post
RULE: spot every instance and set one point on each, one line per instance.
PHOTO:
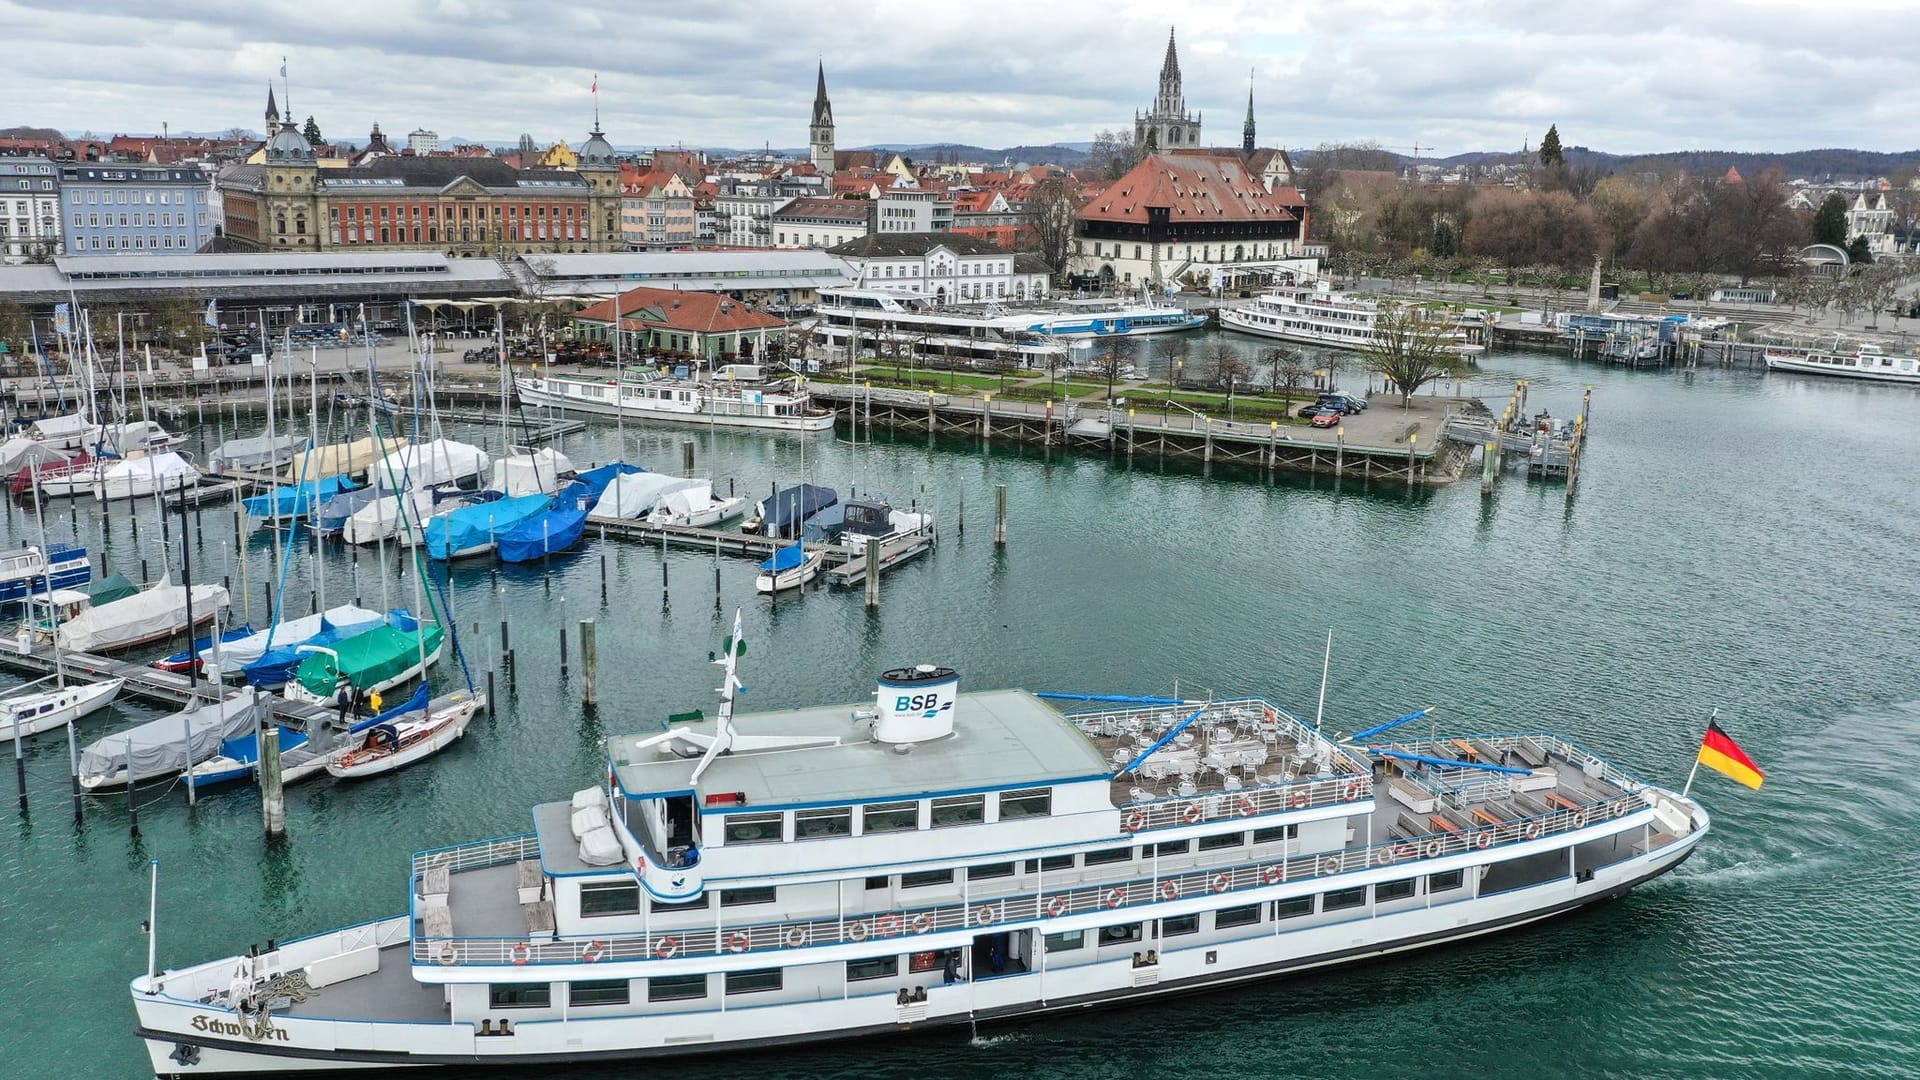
(133, 804)
(999, 515)
(1413, 437)
(873, 601)
(930, 397)
(1046, 431)
(986, 416)
(1130, 423)
(273, 799)
(73, 775)
(686, 458)
(603, 564)
(1339, 450)
(1489, 460)
(589, 663)
(563, 637)
(20, 761)
(960, 520)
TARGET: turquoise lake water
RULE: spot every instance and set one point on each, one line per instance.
(1739, 541)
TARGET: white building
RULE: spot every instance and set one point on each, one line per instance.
(820, 223)
(909, 210)
(29, 208)
(944, 267)
(744, 218)
(1873, 219)
(422, 141)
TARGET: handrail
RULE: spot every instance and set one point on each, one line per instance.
(452, 951)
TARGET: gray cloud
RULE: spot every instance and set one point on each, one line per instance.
(1455, 76)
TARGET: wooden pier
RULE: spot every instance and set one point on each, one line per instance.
(167, 688)
(843, 567)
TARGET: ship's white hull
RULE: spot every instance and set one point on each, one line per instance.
(28, 714)
(702, 519)
(540, 398)
(783, 580)
(1905, 371)
(443, 727)
(188, 1038)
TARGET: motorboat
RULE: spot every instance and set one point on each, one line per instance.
(28, 571)
(695, 507)
(154, 614)
(637, 495)
(549, 532)
(876, 519)
(474, 528)
(34, 711)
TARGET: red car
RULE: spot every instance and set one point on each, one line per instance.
(1328, 418)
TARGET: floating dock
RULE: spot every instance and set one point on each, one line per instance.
(167, 688)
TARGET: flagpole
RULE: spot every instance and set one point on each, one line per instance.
(1695, 771)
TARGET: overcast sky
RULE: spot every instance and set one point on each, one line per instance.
(1451, 75)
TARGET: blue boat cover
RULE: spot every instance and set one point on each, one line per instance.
(596, 480)
(205, 641)
(782, 512)
(277, 665)
(471, 526)
(334, 512)
(549, 532)
(294, 499)
(785, 559)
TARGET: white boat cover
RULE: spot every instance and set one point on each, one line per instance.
(381, 518)
(601, 848)
(425, 465)
(150, 472)
(56, 428)
(590, 796)
(528, 474)
(338, 459)
(150, 613)
(255, 453)
(235, 655)
(589, 818)
(20, 452)
(138, 435)
(695, 498)
(635, 494)
(170, 744)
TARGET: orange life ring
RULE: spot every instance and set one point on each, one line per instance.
(1246, 806)
(1533, 830)
(922, 923)
(1116, 897)
(1170, 889)
(667, 947)
(1058, 906)
(594, 952)
(1271, 875)
(1353, 791)
(1193, 814)
(1301, 798)
(1136, 820)
(1222, 882)
(1483, 839)
(518, 954)
(887, 925)
(738, 942)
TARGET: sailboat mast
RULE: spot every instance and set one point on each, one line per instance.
(313, 497)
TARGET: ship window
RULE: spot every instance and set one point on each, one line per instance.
(879, 967)
(1119, 935)
(1273, 834)
(683, 905)
(1172, 847)
(989, 871)
(1108, 855)
(920, 879)
(676, 987)
(877, 882)
(1222, 840)
(1051, 862)
(1072, 939)
(1027, 802)
(1393, 890)
(1246, 915)
(753, 982)
(744, 897)
(1344, 898)
(890, 817)
(519, 995)
(753, 828)
(610, 898)
(1443, 882)
(1292, 909)
(1179, 924)
(598, 992)
(831, 821)
(959, 810)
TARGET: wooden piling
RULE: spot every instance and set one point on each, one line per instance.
(686, 458)
(273, 799)
(873, 597)
(589, 662)
(999, 515)
(73, 775)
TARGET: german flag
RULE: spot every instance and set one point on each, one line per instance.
(1720, 753)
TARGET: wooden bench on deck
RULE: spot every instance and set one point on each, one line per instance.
(1466, 750)
(1482, 817)
(1406, 828)
(1561, 802)
(539, 916)
(1526, 751)
(1443, 824)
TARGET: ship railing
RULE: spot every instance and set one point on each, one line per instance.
(1038, 906)
(478, 855)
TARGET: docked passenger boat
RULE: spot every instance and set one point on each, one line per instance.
(788, 568)
(869, 317)
(47, 709)
(1867, 362)
(28, 571)
(1322, 316)
(926, 859)
(1114, 318)
(404, 740)
(737, 395)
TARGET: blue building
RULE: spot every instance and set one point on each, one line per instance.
(120, 209)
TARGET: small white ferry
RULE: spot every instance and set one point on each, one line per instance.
(1321, 316)
(1115, 318)
(1866, 362)
(923, 860)
(737, 396)
(879, 320)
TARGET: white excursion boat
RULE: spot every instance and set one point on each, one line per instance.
(407, 739)
(35, 711)
(871, 317)
(925, 860)
(738, 395)
(1866, 362)
(1321, 316)
(788, 568)
(1115, 318)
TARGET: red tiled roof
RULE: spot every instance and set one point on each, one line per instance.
(973, 202)
(682, 312)
(1192, 188)
(852, 210)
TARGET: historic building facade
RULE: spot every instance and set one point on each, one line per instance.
(1181, 217)
(1167, 126)
(944, 267)
(132, 209)
(30, 208)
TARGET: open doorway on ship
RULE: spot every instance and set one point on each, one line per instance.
(1004, 953)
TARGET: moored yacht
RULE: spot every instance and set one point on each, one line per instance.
(1866, 362)
(925, 859)
(738, 395)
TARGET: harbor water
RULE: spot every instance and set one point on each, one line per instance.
(1738, 541)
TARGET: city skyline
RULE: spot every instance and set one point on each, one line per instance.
(1756, 76)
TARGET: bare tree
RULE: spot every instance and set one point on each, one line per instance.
(1226, 367)
(1112, 154)
(1051, 213)
(1285, 370)
(1409, 351)
(1172, 351)
(1115, 356)
(1880, 283)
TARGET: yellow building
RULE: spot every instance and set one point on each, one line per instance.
(557, 156)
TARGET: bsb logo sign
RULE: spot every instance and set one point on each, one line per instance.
(927, 705)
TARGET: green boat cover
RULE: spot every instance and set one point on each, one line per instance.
(107, 590)
(367, 659)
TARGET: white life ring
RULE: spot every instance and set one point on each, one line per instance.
(1271, 875)
(1135, 821)
(1116, 897)
(1058, 906)
(1483, 839)
(1433, 849)
(1620, 808)
(796, 937)
(986, 915)
(1222, 882)
(1245, 806)
(858, 931)
(922, 923)
(737, 942)
(1385, 855)
(449, 954)
(1169, 890)
(1580, 818)
(1193, 814)
(1533, 830)
(594, 952)
(1330, 864)
(1353, 791)
(667, 947)
(518, 954)
(1301, 798)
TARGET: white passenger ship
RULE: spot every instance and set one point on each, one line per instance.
(875, 319)
(1319, 315)
(1866, 362)
(927, 859)
(737, 396)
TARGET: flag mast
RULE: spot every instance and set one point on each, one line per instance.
(1695, 771)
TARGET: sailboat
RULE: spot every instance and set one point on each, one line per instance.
(167, 746)
(256, 454)
(473, 529)
(379, 659)
(549, 532)
(240, 654)
(36, 711)
(789, 568)
(401, 741)
(154, 614)
(200, 652)
(637, 494)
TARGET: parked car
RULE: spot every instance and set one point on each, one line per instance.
(1327, 418)
(1338, 408)
(1351, 403)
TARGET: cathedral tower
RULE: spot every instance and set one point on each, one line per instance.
(820, 129)
(1168, 126)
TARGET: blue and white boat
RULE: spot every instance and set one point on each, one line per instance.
(268, 658)
(334, 512)
(27, 571)
(1116, 318)
(789, 568)
(293, 501)
(473, 529)
(596, 480)
(239, 757)
(179, 661)
(549, 532)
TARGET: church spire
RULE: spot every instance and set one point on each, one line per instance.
(822, 108)
(273, 111)
(1246, 132)
(1170, 69)
(820, 130)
